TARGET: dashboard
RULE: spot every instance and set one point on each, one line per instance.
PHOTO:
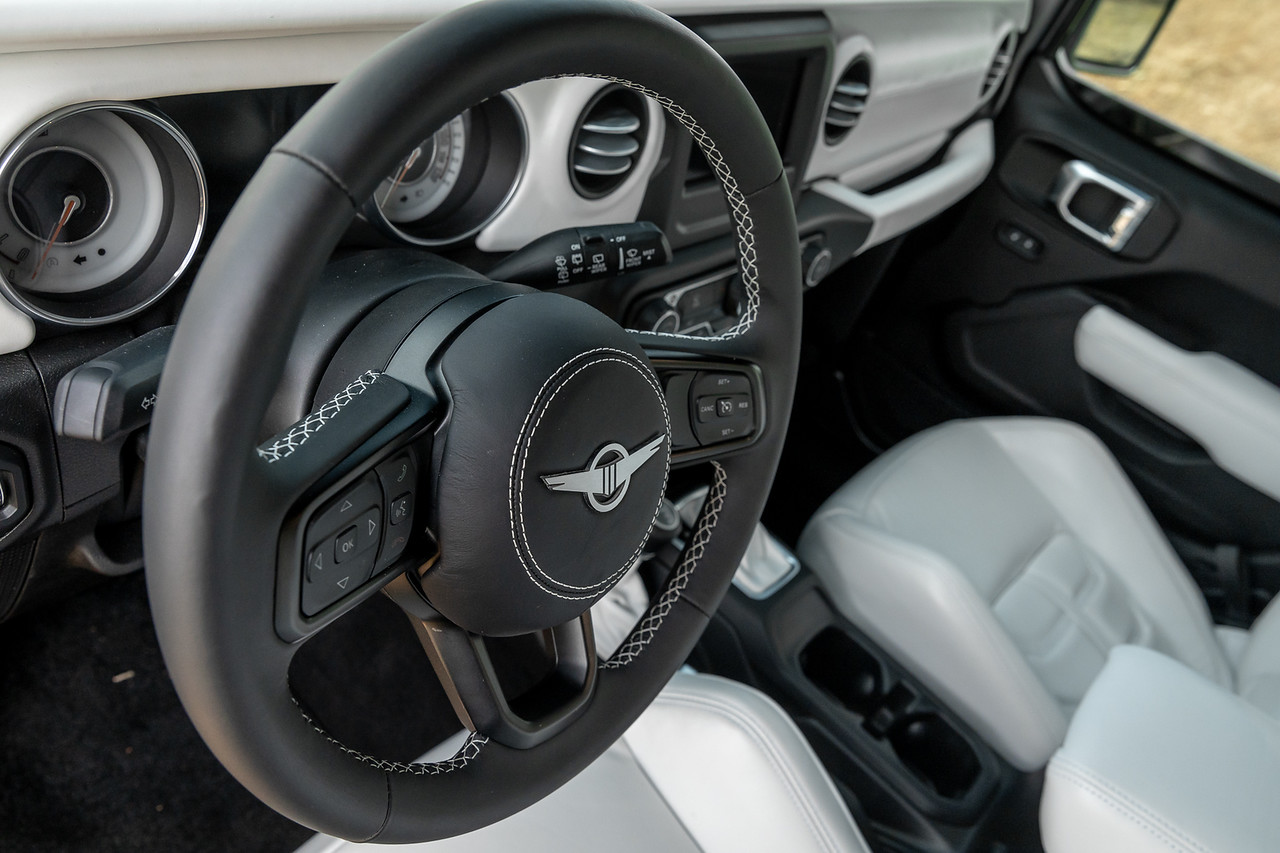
(127, 138)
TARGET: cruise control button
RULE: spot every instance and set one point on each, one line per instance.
(741, 405)
(706, 409)
(724, 407)
(721, 384)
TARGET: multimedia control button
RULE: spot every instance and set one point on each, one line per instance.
(345, 544)
(401, 509)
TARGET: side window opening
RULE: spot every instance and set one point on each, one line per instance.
(1212, 70)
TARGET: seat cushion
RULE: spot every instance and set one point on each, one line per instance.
(712, 765)
(1159, 758)
(1000, 560)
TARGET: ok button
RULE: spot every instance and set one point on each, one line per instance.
(344, 546)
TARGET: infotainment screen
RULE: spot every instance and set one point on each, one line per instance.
(773, 81)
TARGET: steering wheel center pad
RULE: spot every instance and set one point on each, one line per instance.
(533, 530)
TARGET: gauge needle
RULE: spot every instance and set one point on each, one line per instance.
(408, 164)
(69, 205)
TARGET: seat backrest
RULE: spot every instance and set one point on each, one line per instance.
(1000, 560)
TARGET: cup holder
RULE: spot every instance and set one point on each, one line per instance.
(839, 665)
(892, 713)
(935, 752)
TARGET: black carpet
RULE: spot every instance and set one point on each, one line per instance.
(94, 759)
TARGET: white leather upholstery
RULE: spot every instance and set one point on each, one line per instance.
(712, 765)
(1000, 560)
(1233, 413)
(1158, 758)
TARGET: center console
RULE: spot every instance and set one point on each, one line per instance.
(912, 773)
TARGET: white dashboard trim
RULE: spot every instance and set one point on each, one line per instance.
(17, 330)
(544, 200)
(115, 23)
(895, 211)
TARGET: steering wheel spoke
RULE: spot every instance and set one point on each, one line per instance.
(347, 479)
(551, 689)
(716, 399)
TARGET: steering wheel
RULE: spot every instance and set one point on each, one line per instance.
(495, 461)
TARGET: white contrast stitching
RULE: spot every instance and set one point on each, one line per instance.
(515, 496)
(738, 207)
(469, 750)
(282, 446)
(644, 632)
(1124, 803)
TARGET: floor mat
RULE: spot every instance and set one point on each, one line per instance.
(96, 754)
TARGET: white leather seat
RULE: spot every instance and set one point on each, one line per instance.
(712, 765)
(1001, 559)
(1160, 759)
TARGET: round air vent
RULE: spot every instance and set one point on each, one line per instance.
(607, 141)
(1000, 65)
(848, 100)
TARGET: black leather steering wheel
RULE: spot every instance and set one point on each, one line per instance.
(482, 402)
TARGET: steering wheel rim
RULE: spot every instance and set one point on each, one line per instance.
(211, 568)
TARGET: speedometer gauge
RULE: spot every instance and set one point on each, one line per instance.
(422, 180)
(455, 181)
(103, 205)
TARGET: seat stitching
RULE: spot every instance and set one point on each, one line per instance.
(1125, 804)
(772, 752)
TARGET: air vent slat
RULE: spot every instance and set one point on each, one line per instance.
(1000, 65)
(607, 144)
(847, 105)
(616, 121)
(836, 120)
(848, 100)
(594, 164)
(853, 90)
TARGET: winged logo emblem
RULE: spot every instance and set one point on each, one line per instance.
(604, 482)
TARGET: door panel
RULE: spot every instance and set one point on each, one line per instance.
(979, 316)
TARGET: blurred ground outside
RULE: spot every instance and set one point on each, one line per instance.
(1214, 70)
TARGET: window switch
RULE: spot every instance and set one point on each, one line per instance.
(1017, 240)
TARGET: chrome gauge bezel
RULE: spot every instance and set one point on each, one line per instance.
(169, 252)
(475, 205)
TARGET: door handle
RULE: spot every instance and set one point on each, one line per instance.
(1134, 204)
